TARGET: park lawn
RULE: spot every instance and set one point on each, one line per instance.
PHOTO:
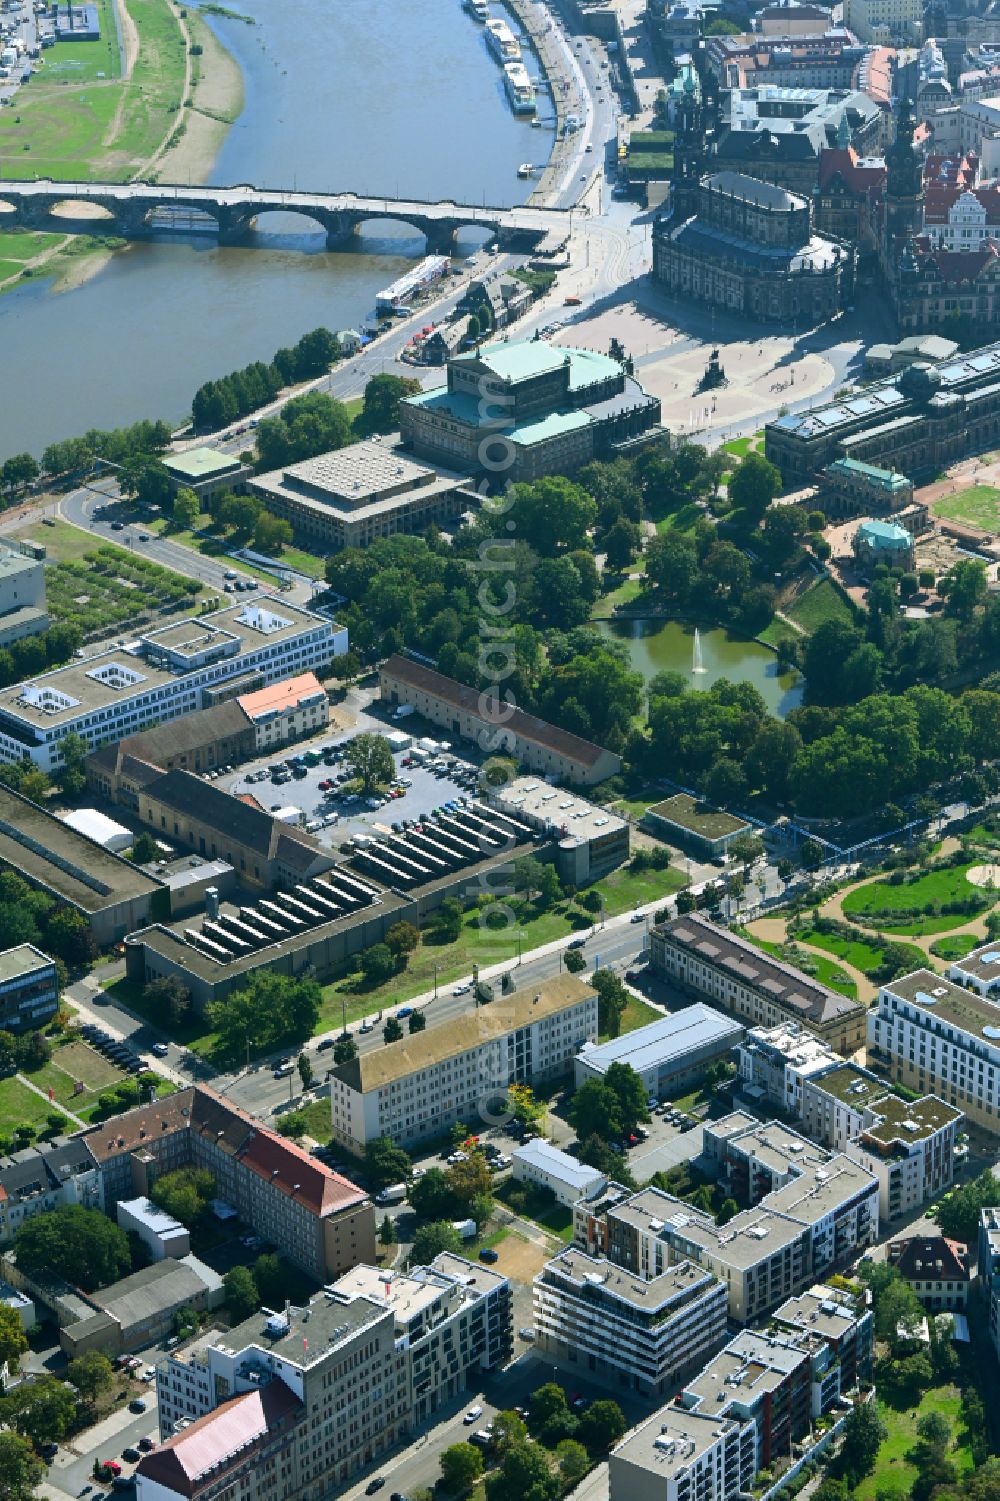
(63, 542)
(309, 563)
(776, 633)
(319, 1122)
(20, 1106)
(67, 124)
(624, 889)
(25, 244)
(955, 945)
(864, 956)
(681, 520)
(209, 545)
(627, 592)
(896, 909)
(636, 1014)
(979, 505)
(817, 605)
(894, 1474)
(476, 945)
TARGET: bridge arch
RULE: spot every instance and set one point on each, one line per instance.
(279, 223)
(399, 234)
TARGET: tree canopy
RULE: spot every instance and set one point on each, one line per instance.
(80, 1245)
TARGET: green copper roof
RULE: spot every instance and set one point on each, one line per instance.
(885, 534)
(886, 479)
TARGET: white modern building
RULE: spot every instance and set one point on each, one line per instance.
(165, 673)
(591, 840)
(544, 1165)
(159, 1232)
(423, 1084)
(979, 970)
(622, 1332)
(773, 1062)
(908, 1146)
(684, 1456)
(668, 1054)
(938, 1038)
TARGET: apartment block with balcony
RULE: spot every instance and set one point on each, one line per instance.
(623, 1330)
(763, 1379)
(773, 1063)
(684, 1456)
(937, 1038)
(843, 1321)
(988, 1269)
(44, 1177)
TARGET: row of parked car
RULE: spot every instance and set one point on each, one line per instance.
(118, 1052)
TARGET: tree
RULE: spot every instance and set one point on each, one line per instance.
(305, 1070)
(753, 485)
(184, 1193)
(393, 1029)
(12, 1341)
(594, 1110)
(574, 962)
(271, 1277)
(964, 586)
(934, 1430)
(602, 1425)
(20, 1470)
(386, 1163)
(73, 750)
(630, 1092)
(508, 1428)
(91, 1374)
(144, 849)
(621, 543)
(416, 1022)
(432, 1197)
(19, 470)
(344, 1049)
(167, 996)
(370, 757)
(524, 1475)
(242, 1298)
(271, 533)
(727, 1209)
(306, 425)
(864, 1432)
(461, 1467)
(746, 848)
(537, 879)
(270, 1008)
(445, 925)
(383, 393)
(552, 515)
(378, 964)
(80, 1245)
(402, 938)
(186, 509)
(43, 1410)
(430, 1240)
(572, 1460)
(387, 1232)
(612, 999)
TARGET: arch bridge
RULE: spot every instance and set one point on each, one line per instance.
(128, 208)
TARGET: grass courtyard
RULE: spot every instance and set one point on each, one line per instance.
(979, 505)
(20, 1106)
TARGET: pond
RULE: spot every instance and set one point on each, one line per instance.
(669, 646)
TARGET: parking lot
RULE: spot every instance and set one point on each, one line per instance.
(285, 779)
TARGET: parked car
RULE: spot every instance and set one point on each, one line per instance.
(131, 1456)
(488, 1254)
(137, 1404)
(375, 1484)
(473, 1415)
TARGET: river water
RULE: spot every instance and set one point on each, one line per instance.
(360, 95)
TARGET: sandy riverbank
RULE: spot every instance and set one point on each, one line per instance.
(217, 102)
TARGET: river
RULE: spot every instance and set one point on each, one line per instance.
(362, 95)
(668, 646)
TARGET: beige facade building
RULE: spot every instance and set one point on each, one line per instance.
(286, 711)
(885, 22)
(715, 965)
(495, 725)
(420, 1086)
